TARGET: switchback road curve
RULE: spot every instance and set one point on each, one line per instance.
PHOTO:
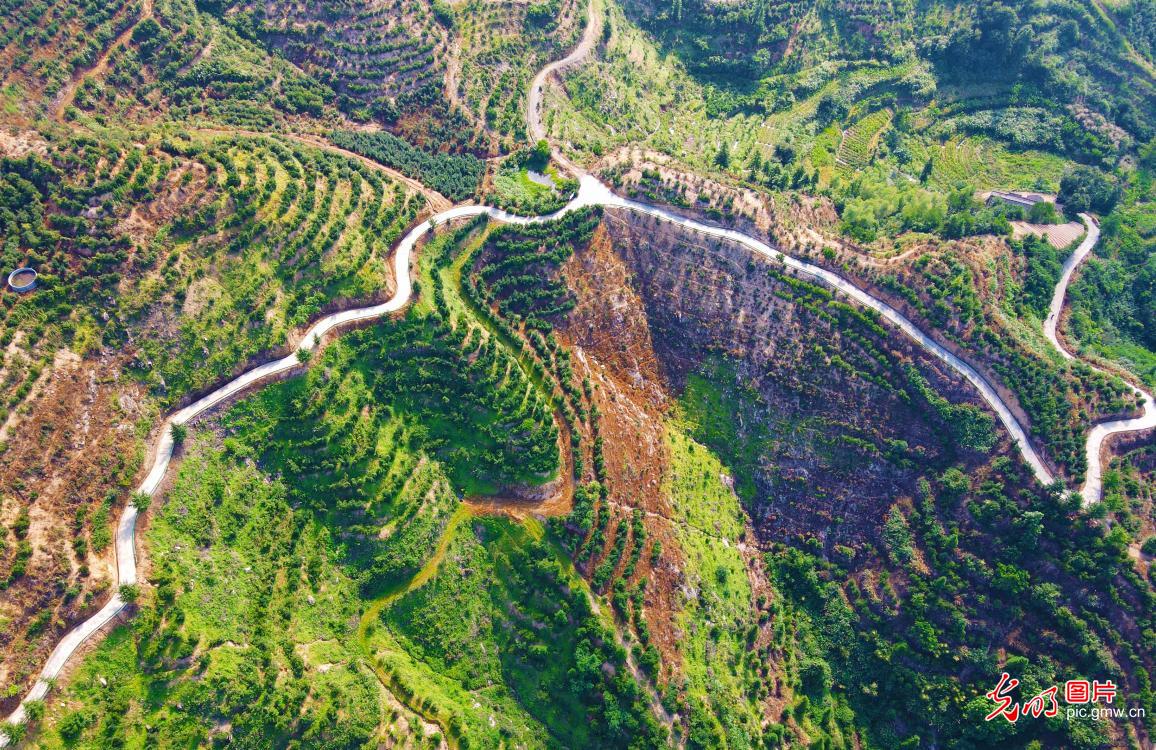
(591, 192)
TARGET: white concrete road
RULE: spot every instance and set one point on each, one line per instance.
(591, 193)
(126, 527)
(1094, 449)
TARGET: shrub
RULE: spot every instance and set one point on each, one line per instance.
(14, 732)
(141, 501)
(35, 710)
(72, 726)
(1088, 189)
(1043, 212)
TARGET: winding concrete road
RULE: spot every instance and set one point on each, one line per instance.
(126, 526)
(591, 192)
(538, 85)
(1094, 483)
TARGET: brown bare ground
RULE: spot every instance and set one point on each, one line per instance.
(76, 446)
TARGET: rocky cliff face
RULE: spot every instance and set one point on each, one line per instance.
(838, 435)
(830, 414)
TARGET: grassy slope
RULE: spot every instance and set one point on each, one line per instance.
(635, 94)
(719, 616)
(467, 618)
(249, 627)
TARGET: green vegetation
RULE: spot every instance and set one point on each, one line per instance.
(712, 401)
(1060, 397)
(513, 639)
(971, 428)
(858, 144)
(879, 638)
(244, 633)
(526, 183)
(1113, 300)
(320, 572)
(166, 62)
(355, 490)
(266, 226)
(503, 44)
(456, 177)
(873, 205)
(1045, 263)
(296, 228)
(860, 639)
(518, 267)
(354, 430)
(378, 61)
(995, 80)
(1087, 189)
(723, 687)
(756, 77)
(31, 25)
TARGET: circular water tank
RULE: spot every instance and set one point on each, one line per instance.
(22, 280)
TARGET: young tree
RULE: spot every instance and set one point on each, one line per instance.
(723, 157)
(141, 501)
(540, 156)
(928, 166)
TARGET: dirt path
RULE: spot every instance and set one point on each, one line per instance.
(377, 606)
(68, 94)
(534, 125)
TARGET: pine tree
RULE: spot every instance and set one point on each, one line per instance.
(723, 158)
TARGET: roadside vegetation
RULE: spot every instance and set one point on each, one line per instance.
(243, 632)
(434, 535)
(360, 476)
(1114, 298)
(501, 46)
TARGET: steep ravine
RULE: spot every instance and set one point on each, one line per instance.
(813, 378)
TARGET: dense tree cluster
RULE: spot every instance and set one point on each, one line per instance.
(1088, 189)
(456, 177)
(518, 270)
(1016, 559)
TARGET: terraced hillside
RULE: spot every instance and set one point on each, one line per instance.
(145, 254)
(369, 54)
(43, 44)
(859, 142)
(570, 468)
(501, 45)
